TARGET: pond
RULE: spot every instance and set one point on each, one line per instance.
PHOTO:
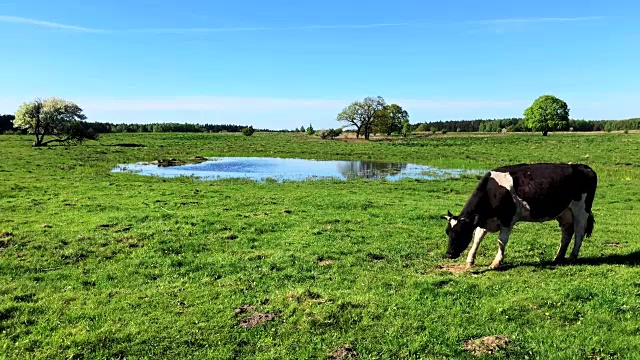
(280, 169)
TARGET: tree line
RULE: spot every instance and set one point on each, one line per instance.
(105, 128)
(7, 126)
(477, 125)
(65, 121)
(517, 125)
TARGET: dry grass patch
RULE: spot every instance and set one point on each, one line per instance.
(344, 352)
(486, 345)
(454, 269)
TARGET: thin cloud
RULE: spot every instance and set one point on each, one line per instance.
(54, 25)
(263, 28)
(60, 26)
(536, 20)
(48, 24)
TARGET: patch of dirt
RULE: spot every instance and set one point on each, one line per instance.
(256, 319)
(344, 352)
(454, 269)
(4, 235)
(486, 345)
(286, 211)
(105, 226)
(324, 262)
(46, 226)
(243, 309)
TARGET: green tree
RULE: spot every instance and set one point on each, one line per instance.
(248, 131)
(310, 130)
(54, 117)
(302, 129)
(547, 113)
(406, 127)
(392, 119)
(422, 128)
(363, 114)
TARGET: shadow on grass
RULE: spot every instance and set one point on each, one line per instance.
(631, 259)
(131, 145)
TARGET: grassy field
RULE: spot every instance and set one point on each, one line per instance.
(100, 265)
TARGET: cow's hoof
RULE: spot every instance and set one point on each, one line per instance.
(469, 266)
(494, 266)
(559, 261)
(573, 259)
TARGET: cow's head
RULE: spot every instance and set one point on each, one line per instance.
(460, 231)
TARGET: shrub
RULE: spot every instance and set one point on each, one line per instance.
(626, 131)
(248, 131)
(444, 131)
(421, 128)
(331, 133)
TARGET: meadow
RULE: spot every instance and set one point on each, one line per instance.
(97, 265)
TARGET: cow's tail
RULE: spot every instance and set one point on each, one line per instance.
(592, 181)
(590, 222)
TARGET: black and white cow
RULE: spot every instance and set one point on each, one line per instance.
(525, 192)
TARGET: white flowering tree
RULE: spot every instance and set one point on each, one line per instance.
(53, 117)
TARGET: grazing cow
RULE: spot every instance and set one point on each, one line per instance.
(529, 193)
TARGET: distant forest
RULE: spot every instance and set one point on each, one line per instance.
(479, 125)
(517, 125)
(6, 126)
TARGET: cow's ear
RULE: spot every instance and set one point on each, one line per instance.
(448, 216)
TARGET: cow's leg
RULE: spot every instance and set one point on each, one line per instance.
(503, 239)
(478, 235)
(565, 221)
(580, 217)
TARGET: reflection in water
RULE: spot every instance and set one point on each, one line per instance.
(260, 169)
(370, 169)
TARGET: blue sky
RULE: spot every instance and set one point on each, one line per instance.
(282, 64)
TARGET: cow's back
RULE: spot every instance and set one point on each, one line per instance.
(547, 189)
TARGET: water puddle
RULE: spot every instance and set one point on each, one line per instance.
(263, 168)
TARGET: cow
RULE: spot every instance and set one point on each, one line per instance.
(510, 194)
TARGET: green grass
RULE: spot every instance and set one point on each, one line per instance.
(142, 267)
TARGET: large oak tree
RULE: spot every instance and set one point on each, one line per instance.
(547, 113)
(363, 114)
